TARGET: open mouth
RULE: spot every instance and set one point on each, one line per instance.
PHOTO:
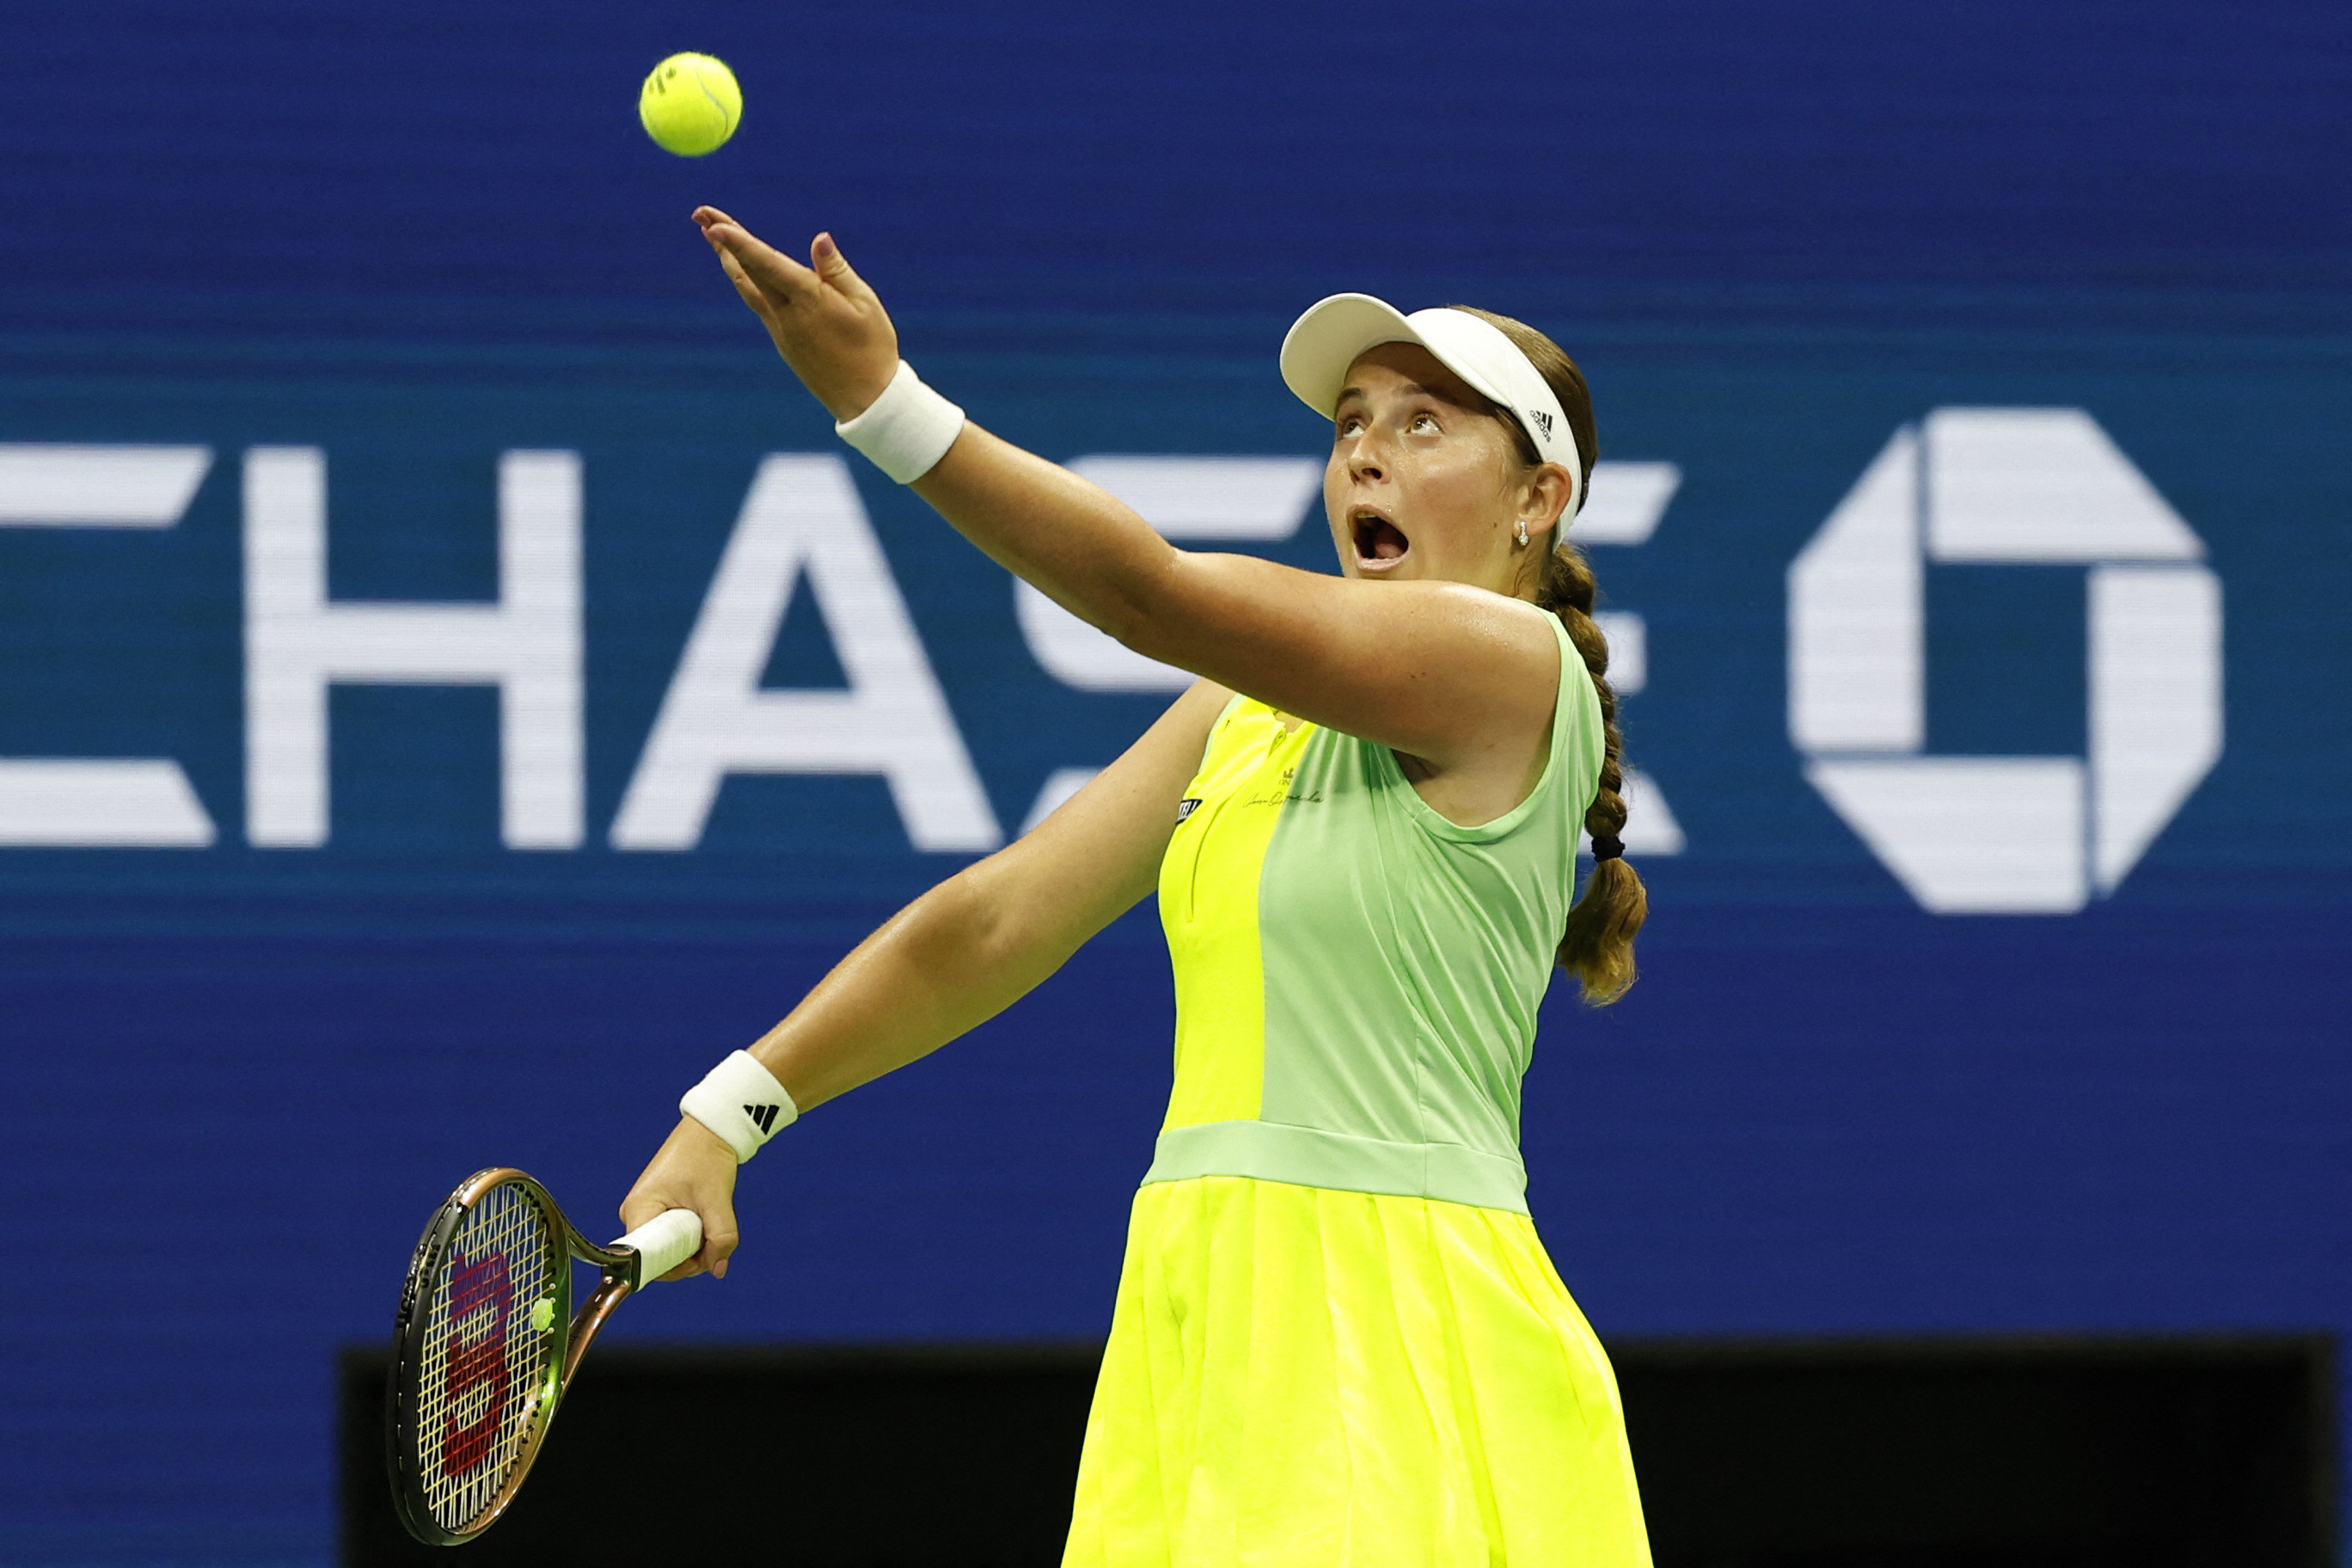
(1380, 543)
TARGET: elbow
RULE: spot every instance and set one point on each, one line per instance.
(1008, 920)
(975, 923)
(1144, 611)
(961, 924)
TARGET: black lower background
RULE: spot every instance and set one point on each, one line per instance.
(1936, 1454)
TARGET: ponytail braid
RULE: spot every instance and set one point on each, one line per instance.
(1597, 947)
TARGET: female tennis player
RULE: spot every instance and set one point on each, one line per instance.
(1337, 1339)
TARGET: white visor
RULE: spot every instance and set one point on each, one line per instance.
(1322, 344)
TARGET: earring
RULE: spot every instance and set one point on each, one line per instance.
(1523, 533)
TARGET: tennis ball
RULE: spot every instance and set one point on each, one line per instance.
(690, 105)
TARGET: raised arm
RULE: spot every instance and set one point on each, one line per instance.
(1441, 671)
(953, 959)
(1451, 674)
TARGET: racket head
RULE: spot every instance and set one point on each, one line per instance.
(477, 1354)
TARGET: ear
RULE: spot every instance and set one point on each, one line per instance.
(1543, 498)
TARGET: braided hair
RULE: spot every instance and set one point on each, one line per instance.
(1598, 945)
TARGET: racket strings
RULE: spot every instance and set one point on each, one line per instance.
(485, 1356)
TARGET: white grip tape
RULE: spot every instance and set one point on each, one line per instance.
(663, 1242)
(742, 1103)
(906, 430)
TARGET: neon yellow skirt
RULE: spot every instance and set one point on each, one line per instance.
(1302, 1376)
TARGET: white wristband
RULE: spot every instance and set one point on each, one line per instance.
(906, 430)
(742, 1102)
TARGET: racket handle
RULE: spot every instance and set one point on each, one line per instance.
(663, 1242)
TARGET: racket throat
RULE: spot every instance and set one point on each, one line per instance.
(610, 1293)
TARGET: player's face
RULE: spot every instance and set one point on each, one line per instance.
(1422, 483)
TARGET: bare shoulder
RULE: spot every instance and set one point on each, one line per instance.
(1149, 778)
(1518, 631)
(1441, 670)
(1489, 769)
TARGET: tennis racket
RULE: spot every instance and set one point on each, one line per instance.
(486, 1342)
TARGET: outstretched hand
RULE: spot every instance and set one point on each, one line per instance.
(829, 326)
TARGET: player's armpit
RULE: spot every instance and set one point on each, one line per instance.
(979, 941)
(1098, 854)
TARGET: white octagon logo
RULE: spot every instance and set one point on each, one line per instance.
(2004, 834)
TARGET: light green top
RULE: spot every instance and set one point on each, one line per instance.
(1357, 977)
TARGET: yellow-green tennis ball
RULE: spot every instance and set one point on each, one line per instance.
(690, 105)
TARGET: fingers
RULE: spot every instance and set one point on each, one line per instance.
(749, 290)
(718, 1243)
(829, 264)
(719, 1240)
(775, 274)
(778, 275)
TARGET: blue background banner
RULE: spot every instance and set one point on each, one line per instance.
(2031, 1072)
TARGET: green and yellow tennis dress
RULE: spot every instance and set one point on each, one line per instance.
(1338, 1341)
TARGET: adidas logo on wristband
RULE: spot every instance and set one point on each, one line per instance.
(742, 1103)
